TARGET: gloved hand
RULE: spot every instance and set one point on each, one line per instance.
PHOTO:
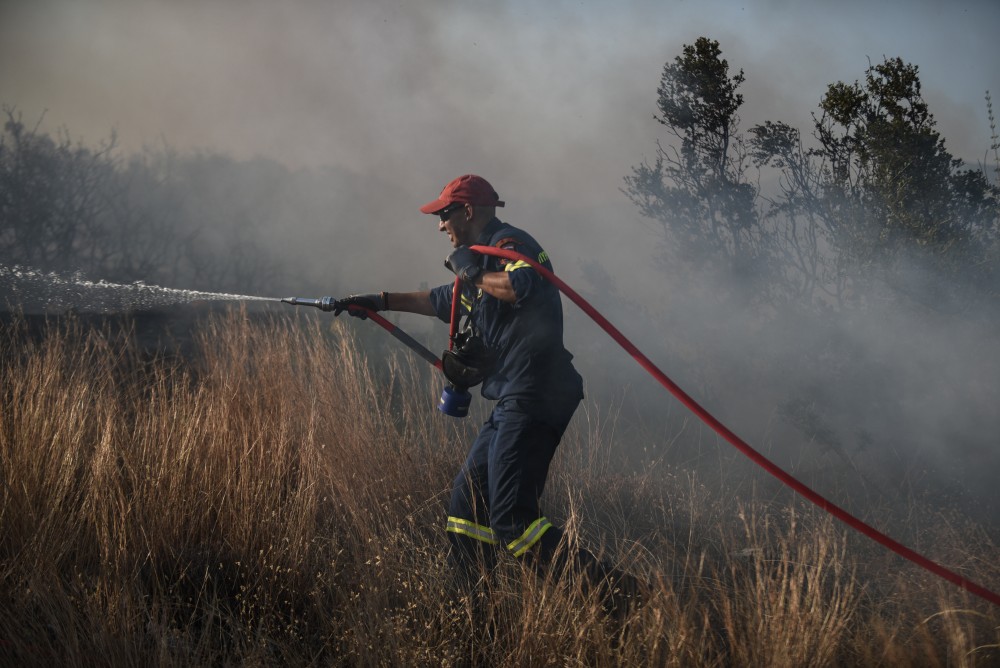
(373, 301)
(464, 262)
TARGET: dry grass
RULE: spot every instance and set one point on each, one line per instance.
(280, 501)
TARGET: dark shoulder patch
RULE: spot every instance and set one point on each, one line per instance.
(509, 243)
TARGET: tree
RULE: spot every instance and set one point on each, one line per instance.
(885, 155)
(696, 187)
(50, 203)
(870, 209)
(881, 188)
(801, 239)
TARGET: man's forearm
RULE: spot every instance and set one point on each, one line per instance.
(494, 283)
(411, 302)
(497, 284)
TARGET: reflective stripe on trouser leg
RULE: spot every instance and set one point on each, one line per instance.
(472, 530)
(531, 536)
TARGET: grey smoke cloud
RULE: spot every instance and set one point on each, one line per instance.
(552, 102)
(551, 99)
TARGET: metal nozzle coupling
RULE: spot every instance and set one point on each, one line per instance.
(323, 303)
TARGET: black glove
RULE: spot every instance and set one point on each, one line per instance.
(373, 302)
(464, 262)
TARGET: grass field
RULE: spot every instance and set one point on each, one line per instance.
(278, 499)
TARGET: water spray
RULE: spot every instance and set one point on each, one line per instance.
(60, 291)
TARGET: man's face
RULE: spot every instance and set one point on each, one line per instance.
(455, 221)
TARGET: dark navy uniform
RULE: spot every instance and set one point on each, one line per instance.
(495, 496)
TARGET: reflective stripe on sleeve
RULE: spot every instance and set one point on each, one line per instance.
(531, 536)
(512, 266)
(472, 530)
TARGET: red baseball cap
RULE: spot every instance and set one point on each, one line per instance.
(467, 189)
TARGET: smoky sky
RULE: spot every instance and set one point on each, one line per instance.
(549, 100)
(553, 102)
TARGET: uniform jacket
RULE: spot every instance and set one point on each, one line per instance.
(534, 370)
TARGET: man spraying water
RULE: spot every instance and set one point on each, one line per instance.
(515, 319)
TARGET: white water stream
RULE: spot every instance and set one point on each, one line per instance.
(59, 292)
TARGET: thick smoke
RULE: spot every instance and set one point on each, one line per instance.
(370, 108)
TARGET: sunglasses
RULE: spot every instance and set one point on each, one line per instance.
(446, 212)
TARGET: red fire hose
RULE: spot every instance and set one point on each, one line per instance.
(398, 333)
(739, 443)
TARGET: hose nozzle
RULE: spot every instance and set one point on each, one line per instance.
(323, 303)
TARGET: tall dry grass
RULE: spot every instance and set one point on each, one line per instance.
(279, 500)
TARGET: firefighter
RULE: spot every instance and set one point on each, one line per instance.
(518, 316)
